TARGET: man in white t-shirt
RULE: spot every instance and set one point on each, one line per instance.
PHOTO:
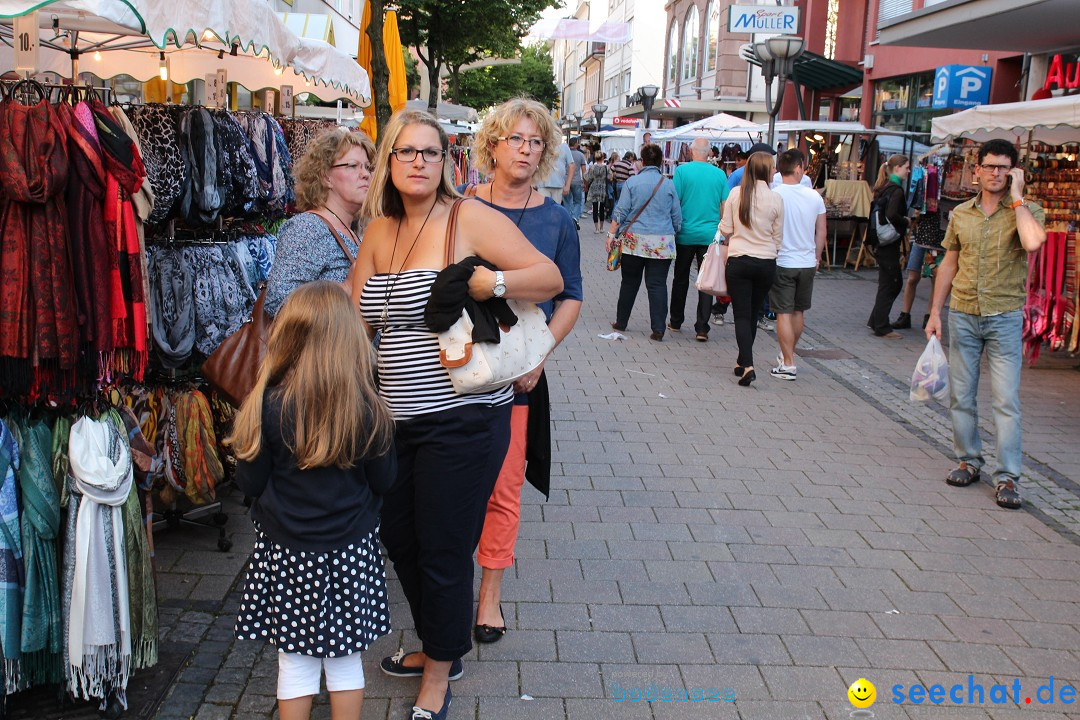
(797, 262)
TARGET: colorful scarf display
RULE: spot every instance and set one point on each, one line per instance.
(12, 577)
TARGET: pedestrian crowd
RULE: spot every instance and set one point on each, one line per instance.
(355, 439)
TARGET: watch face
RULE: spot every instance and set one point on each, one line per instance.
(500, 290)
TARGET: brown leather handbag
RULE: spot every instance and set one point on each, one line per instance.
(233, 367)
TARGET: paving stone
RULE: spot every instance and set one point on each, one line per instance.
(608, 647)
(561, 680)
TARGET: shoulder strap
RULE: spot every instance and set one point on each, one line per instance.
(642, 208)
(451, 232)
(470, 190)
(337, 236)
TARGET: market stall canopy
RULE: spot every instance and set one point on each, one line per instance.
(715, 127)
(445, 111)
(250, 26)
(818, 72)
(1054, 121)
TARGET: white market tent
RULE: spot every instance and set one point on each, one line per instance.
(1054, 121)
(718, 127)
(201, 27)
(446, 111)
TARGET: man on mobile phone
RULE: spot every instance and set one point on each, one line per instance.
(985, 267)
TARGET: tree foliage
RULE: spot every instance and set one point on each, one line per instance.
(412, 71)
(454, 33)
(532, 77)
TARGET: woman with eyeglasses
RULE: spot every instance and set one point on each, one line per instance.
(450, 446)
(517, 144)
(321, 242)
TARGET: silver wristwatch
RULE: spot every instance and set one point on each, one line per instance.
(500, 284)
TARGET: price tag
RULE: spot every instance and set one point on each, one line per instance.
(211, 99)
(285, 101)
(25, 29)
(223, 88)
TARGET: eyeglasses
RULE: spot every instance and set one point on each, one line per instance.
(994, 169)
(408, 154)
(355, 167)
(516, 141)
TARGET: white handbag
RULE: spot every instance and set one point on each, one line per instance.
(479, 367)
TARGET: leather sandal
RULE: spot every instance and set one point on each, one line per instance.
(1006, 495)
(963, 476)
(490, 633)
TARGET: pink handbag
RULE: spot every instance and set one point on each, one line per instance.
(711, 277)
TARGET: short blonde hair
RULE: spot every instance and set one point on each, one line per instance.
(498, 123)
(311, 170)
(383, 199)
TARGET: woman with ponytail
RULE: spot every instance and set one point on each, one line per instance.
(890, 202)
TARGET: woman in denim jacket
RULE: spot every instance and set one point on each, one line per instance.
(646, 218)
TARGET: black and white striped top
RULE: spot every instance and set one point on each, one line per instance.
(411, 380)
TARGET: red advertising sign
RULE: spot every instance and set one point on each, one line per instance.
(1062, 75)
(624, 121)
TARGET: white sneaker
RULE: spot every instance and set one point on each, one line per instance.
(765, 324)
(717, 319)
(783, 372)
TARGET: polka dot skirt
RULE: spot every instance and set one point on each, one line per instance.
(320, 604)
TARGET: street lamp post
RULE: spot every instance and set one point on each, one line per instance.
(598, 112)
(577, 117)
(777, 57)
(647, 93)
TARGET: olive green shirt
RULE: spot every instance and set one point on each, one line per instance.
(992, 268)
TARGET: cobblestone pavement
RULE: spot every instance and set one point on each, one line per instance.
(781, 541)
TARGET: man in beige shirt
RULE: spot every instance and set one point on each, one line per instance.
(985, 267)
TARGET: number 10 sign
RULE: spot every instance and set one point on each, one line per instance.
(25, 28)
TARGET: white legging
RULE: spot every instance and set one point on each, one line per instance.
(299, 675)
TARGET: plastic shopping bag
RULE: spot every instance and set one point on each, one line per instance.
(931, 376)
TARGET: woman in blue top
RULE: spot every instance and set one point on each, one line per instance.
(646, 218)
(516, 145)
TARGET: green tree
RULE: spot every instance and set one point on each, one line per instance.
(532, 77)
(380, 71)
(412, 71)
(455, 33)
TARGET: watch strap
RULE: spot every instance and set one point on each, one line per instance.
(1018, 203)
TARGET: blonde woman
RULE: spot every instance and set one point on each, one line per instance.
(517, 144)
(753, 222)
(450, 446)
(332, 179)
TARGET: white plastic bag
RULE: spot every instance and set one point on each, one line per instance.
(931, 376)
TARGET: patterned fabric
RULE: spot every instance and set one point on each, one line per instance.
(223, 298)
(195, 432)
(38, 314)
(657, 247)
(320, 604)
(12, 577)
(41, 637)
(201, 201)
(157, 127)
(172, 287)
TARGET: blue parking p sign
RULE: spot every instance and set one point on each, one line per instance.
(961, 86)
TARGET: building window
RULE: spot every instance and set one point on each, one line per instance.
(830, 28)
(691, 36)
(712, 35)
(673, 55)
(626, 81)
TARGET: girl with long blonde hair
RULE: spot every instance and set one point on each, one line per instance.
(314, 448)
(753, 222)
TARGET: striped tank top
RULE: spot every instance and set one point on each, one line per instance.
(411, 379)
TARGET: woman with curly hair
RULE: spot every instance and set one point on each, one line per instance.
(320, 243)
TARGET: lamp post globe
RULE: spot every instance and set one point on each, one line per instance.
(648, 94)
(598, 113)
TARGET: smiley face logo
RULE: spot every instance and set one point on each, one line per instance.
(862, 693)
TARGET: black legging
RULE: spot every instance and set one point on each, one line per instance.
(890, 283)
(748, 281)
(598, 210)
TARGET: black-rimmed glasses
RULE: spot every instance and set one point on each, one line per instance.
(354, 167)
(516, 142)
(408, 154)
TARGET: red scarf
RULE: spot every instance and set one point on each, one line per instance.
(38, 315)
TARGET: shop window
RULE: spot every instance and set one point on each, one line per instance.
(712, 35)
(673, 56)
(690, 44)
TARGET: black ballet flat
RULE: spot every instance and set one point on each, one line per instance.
(748, 377)
(488, 634)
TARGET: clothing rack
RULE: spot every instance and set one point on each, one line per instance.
(44, 91)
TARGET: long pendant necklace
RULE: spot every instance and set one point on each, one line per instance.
(393, 282)
(352, 236)
(523, 207)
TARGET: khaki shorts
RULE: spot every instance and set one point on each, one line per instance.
(555, 194)
(792, 290)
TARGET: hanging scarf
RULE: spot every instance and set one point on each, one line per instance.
(202, 199)
(142, 601)
(173, 306)
(284, 161)
(99, 625)
(195, 430)
(12, 577)
(124, 176)
(41, 636)
(38, 316)
(60, 464)
(156, 129)
(142, 202)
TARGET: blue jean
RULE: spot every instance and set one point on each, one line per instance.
(655, 272)
(1001, 337)
(574, 201)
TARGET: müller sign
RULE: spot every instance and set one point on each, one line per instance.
(757, 19)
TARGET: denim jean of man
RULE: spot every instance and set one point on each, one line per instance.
(574, 201)
(1000, 337)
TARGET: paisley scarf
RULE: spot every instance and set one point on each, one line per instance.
(199, 457)
(12, 577)
(173, 306)
(41, 636)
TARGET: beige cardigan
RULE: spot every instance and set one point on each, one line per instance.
(762, 240)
